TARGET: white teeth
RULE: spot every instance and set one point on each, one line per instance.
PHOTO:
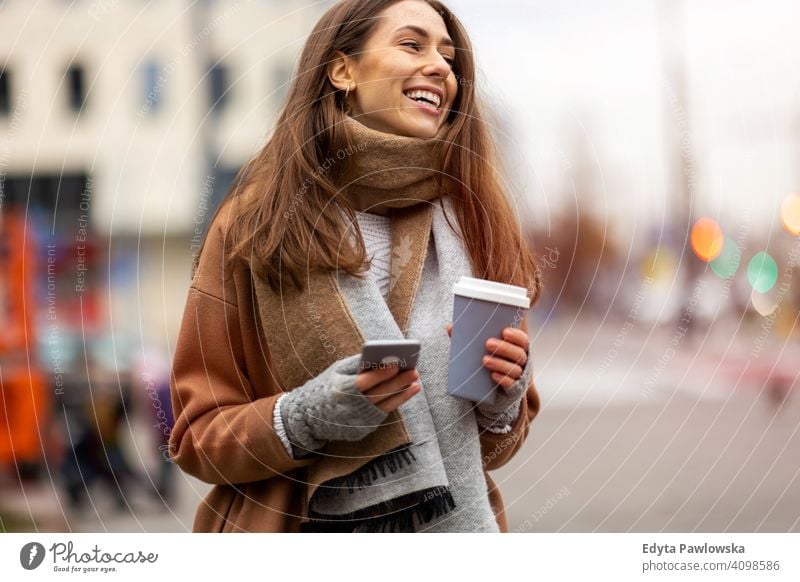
(432, 97)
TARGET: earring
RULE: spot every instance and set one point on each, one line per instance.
(347, 92)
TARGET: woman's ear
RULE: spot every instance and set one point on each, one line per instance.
(340, 72)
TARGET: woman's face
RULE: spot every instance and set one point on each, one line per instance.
(402, 83)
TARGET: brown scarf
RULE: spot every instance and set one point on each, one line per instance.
(382, 172)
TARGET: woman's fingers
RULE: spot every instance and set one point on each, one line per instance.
(517, 336)
(507, 356)
(389, 404)
(502, 367)
(504, 373)
(371, 378)
(392, 386)
(504, 382)
(507, 350)
(388, 388)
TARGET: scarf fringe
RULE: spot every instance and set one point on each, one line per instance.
(392, 516)
(364, 477)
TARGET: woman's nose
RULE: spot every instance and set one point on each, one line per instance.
(437, 65)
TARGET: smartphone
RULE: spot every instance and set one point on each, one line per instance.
(381, 353)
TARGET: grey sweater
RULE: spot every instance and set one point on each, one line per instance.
(330, 407)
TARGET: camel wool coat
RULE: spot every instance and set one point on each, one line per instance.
(223, 390)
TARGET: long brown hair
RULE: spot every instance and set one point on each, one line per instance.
(284, 223)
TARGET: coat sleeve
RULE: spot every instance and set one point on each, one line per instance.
(224, 427)
(498, 449)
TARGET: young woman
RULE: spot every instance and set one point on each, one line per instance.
(376, 192)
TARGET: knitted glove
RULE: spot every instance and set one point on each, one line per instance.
(500, 415)
(328, 407)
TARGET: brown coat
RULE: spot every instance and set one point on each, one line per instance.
(224, 388)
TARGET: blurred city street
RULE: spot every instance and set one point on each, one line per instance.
(650, 153)
(710, 447)
(707, 447)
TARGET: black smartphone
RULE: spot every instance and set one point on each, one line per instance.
(381, 353)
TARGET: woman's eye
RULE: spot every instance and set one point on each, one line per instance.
(412, 43)
(450, 61)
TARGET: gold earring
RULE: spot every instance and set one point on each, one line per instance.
(347, 92)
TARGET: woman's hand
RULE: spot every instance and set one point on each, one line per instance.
(386, 388)
(507, 356)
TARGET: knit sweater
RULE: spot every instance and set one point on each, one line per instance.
(376, 232)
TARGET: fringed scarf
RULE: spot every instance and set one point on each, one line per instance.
(420, 470)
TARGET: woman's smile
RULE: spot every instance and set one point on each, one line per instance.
(410, 57)
(427, 101)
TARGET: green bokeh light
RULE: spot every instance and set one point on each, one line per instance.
(762, 272)
(726, 264)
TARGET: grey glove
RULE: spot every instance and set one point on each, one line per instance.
(329, 407)
(506, 407)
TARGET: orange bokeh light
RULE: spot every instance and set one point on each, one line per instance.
(790, 213)
(707, 239)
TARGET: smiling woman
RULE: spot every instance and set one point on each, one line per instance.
(270, 402)
(402, 81)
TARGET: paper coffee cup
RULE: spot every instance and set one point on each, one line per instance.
(481, 309)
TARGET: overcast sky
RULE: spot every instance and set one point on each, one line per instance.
(591, 72)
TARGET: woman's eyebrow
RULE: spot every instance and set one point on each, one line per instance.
(446, 41)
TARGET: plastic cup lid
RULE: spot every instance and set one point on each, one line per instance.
(492, 291)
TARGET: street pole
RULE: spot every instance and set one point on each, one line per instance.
(681, 162)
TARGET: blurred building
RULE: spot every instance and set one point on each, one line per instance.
(122, 124)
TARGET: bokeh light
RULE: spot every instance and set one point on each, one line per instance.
(707, 239)
(763, 304)
(727, 262)
(762, 272)
(660, 263)
(790, 213)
